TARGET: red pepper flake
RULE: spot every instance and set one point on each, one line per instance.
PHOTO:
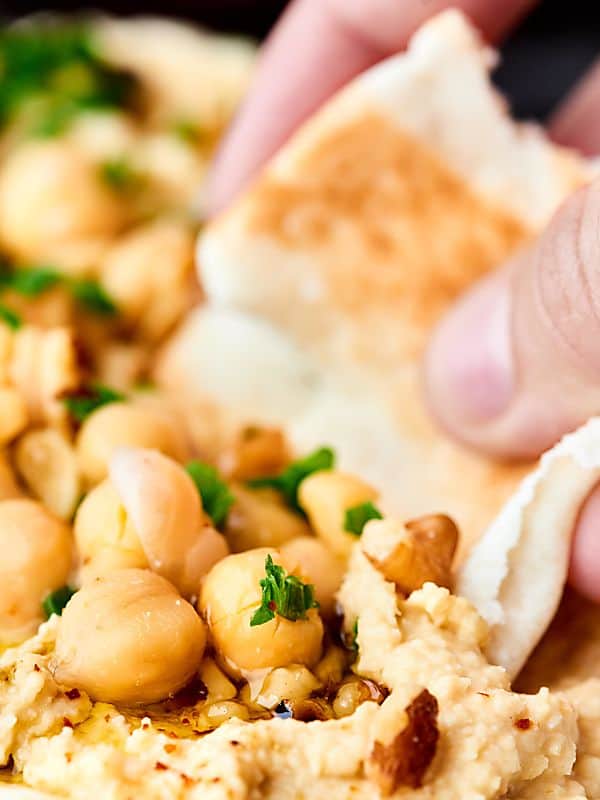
(523, 724)
(483, 694)
(73, 694)
(67, 722)
(234, 742)
(170, 748)
(216, 780)
(186, 779)
(36, 668)
(160, 765)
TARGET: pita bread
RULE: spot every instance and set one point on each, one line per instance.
(516, 573)
(325, 279)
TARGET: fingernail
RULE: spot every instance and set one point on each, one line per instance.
(469, 363)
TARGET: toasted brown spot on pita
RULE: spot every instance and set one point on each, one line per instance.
(394, 230)
(406, 759)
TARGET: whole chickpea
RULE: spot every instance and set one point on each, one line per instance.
(104, 535)
(36, 560)
(325, 497)
(147, 272)
(258, 518)
(51, 199)
(128, 637)
(125, 424)
(230, 596)
(161, 505)
(319, 565)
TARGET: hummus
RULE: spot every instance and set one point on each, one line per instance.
(493, 742)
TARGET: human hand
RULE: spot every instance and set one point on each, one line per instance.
(516, 363)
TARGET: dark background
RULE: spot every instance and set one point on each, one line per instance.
(542, 59)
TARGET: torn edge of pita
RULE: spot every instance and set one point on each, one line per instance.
(516, 573)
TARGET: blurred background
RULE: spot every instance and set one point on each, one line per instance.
(541, 60)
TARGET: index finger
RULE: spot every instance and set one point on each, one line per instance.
(317, 47)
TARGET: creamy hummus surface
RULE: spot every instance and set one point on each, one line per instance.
(492, 742)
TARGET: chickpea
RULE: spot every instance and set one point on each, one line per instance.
(148, 272)
(319, 565)
(128, 637)
(224, 710)
(325, 496)
(165, 510)
(36, 560)
(104, 535)
(103, 134)
(259, 519)
(51, 199)
(124, 424)
(230, 596)
(44, 366)
(287, 683)
(13, 414)
(254, 451)
(47, 464)
(9, 489)
(122, 365)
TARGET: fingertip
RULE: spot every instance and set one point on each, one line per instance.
(584, 571)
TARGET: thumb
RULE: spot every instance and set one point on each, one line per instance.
(516, 363)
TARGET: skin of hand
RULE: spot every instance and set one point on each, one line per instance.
(516, 363)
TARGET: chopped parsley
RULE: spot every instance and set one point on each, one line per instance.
(288, 481)
(51, 71)
(283, 594)
(55, 602)
(119, 175)
(85, 400)
(92, 297)
(10, 317)
(354, 640)
(188, 131)
(33, 281)
(356, 518)
(217, 499)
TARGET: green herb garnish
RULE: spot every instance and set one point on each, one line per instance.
(92, 297)
(33, 281)
(217, 499)
(283, 594)
(288, 481)
(354, 640)
(50, 72)
(85, 400)
(120, 175)
(188, 131)
(356, 518)
(55, 602)
(10, 317)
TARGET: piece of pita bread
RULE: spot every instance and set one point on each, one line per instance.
(516, 573)
(325, 279)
